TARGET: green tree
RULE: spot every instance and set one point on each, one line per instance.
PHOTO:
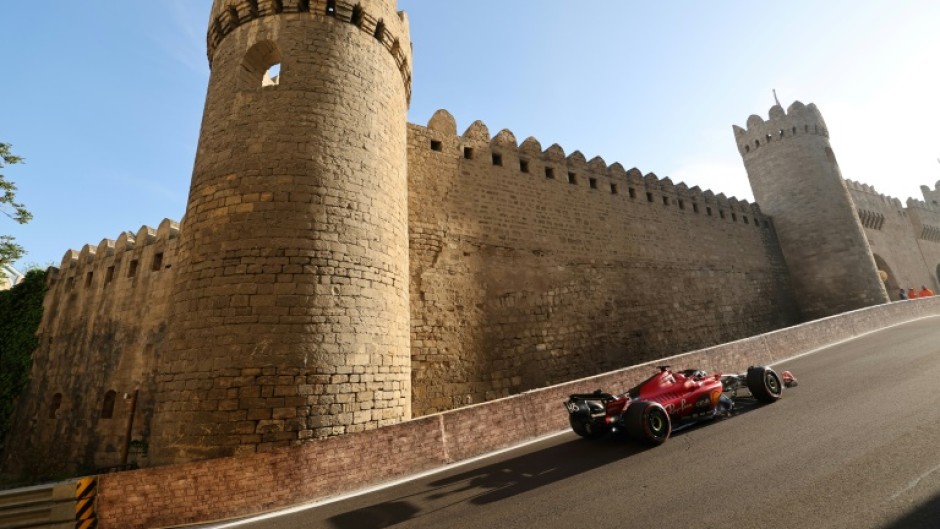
(21, 308)
(9, 250)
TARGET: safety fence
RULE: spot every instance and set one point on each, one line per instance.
(66, 505)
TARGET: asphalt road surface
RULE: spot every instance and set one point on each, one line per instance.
(856, 445)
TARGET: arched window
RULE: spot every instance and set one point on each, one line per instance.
(107, 408)
(261, 66)
(55, 405)
(379, 31)
(233, 17)
(887, 277)
(357, 14)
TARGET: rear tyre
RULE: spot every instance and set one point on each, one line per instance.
(647, 422)
(587, 429)
(764, 384)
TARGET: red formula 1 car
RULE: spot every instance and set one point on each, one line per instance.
(670, 400)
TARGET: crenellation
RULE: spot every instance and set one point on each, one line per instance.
(105, 248)
(87, 254)
(145, 236)
(168, 229)
(477, 133)
(555, 154)
(69, 260)
(597, 165)
(124, 242)
(376, 17)
(505, 139)
(443, 122)
(531, 147)
(617, 172)
(798, 120)
(577, 162)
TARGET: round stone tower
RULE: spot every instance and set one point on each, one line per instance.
(797, 181)
(290, 315)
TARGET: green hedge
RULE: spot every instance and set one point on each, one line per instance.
(20, 314)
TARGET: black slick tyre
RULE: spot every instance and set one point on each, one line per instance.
(764, 384)
(647, 422)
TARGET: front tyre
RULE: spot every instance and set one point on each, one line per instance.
(764, 384)
(647, 422)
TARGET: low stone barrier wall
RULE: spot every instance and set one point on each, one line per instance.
(239, 486)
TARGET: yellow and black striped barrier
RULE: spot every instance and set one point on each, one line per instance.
(60, 505)
(86, 492)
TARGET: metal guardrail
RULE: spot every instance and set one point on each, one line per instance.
(66, 505)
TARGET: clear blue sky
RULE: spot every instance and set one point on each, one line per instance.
(104, 97)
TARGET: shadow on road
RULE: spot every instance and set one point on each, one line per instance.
(926, 516)
(494, 482)
(501, 480)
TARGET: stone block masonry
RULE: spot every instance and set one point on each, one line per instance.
(530, 267)
(796, 179)
(289, 315)
(103, 327)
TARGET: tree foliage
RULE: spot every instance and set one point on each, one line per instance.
(21, 308)
(9, 250)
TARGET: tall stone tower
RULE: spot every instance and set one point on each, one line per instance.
(290, 315)
(797, 181)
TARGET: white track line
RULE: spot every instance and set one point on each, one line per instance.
(915, 482)
(846, 340)
(383, 486)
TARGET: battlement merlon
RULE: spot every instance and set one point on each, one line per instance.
(442, 129)
(378, 18)
(931, 196)
(125, 242)
(799, 119)
(913, 203)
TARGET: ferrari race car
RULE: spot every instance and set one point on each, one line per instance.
(670, 400)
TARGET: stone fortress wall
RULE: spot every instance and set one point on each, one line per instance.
(904, 237)
(102, 332)
(482, 268)
(289, 317)
(531, 267)
(794, 174)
